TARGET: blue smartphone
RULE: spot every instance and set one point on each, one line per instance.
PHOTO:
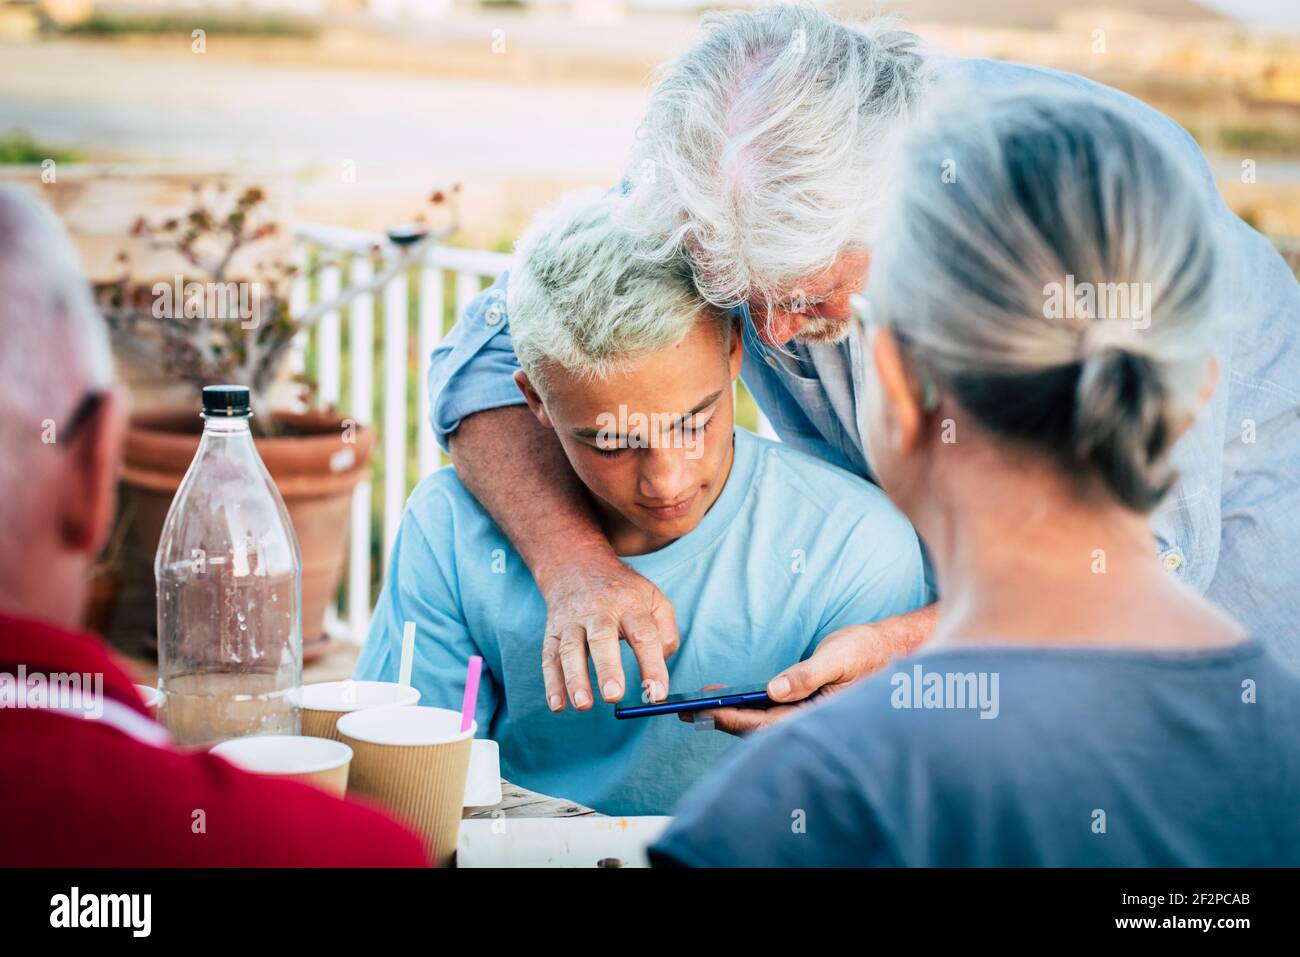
(755, 697)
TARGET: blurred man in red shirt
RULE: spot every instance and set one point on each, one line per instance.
(102, 786)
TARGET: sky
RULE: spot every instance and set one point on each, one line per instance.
(1283, 13)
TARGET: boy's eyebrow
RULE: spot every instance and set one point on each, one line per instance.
(589, 433)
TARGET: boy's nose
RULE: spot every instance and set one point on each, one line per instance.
(665, 475)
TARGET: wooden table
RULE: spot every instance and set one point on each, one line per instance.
(528, 829)
(521, 802)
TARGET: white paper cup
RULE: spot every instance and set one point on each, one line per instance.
(324, 703)
(414, 761)
(318, 761)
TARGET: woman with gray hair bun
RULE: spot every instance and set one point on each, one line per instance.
(1061, 282)
(1040, 325)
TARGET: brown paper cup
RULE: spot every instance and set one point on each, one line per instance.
(414, 761)
(327, 701)
(316, 761)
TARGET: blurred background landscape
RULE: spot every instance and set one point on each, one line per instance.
(364, 104)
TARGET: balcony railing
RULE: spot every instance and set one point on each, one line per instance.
(423, 300)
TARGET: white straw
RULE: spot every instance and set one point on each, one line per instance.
(408, 654)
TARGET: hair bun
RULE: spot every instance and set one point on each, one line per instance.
(1122, 427)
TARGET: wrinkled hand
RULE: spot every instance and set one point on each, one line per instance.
(842, 658)
(590, 607)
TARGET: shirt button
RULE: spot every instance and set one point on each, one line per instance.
(771, 360)
(1172, 559)
(493, 315)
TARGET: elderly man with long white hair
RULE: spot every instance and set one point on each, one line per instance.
(763, 161)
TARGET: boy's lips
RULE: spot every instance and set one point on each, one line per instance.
(675, 510)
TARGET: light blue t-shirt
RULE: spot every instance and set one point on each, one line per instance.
(792, 550)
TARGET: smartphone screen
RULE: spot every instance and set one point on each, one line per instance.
(750, 696)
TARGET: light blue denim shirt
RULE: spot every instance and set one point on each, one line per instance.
(1230, 527)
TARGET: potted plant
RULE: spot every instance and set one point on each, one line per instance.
(208, 326)
(106, 577)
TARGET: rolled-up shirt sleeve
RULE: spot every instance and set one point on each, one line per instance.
(472, 369)
(1258, 285)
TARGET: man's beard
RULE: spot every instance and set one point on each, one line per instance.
(820, 330)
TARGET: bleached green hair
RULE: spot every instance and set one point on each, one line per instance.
(583, 296)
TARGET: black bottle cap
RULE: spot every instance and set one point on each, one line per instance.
(226, 400)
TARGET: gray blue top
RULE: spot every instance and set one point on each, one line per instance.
(1018, 756)
(1231, 526)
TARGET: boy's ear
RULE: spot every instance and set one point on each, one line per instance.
(533, 398)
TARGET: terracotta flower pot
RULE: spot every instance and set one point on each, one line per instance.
(101, 600)
(314, 468)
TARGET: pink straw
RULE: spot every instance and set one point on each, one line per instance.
(471, 692)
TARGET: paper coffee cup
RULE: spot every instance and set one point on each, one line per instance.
(317, 761)
(324, 703)
(414, 761)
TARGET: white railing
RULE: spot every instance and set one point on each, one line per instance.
(349, 255)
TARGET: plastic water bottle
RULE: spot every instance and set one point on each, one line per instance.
(229, 579)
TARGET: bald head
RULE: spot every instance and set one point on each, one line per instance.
(55, 342)
(55, 487)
